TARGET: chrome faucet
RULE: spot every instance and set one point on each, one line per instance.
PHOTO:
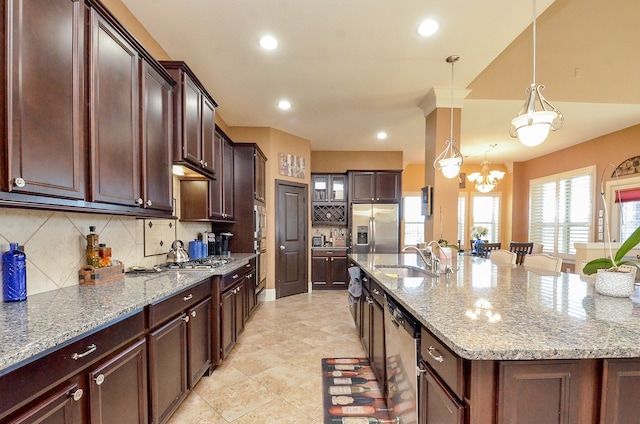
(426, 262)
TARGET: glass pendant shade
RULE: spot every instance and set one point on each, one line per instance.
(450, 166)
(486, 180)
(533, 129)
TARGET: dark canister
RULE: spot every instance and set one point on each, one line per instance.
(14, 274)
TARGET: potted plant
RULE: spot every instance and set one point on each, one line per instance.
(450, 252)
(610, 279)
(478, 233)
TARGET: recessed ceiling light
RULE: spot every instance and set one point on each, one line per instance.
(381, 135)
(428, 27)
(284, 105)
(268, 42)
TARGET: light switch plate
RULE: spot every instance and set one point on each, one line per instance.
(158, 236)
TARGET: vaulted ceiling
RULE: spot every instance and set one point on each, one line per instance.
(353, 68)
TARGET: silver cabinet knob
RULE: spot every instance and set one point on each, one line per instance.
(19, 182)
(193, 314)
(99, 379)
(76, 395)
(149, 203)
(139, 201)
(185, 318)
(281, 247)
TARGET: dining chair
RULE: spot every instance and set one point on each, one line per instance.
(520, 250)
(543, 262)
(503, 257)
(485, 249)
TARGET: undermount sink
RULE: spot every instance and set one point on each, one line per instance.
(402, 271)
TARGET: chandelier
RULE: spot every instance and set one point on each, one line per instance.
(486, 180)
(532, 126)
(450, 160)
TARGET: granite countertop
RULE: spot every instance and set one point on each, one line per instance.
(553, 316)
(55, 318)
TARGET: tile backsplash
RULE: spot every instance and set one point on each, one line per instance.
(55, 242)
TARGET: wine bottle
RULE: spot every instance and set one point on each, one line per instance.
(355, 410)
(349, 380)
(360, 420)
(345, 367)
(346, 361)
(338, 373)
(350, 390)
(350, 400)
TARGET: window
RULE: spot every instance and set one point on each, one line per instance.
(486, 212)
(624, 211)
(462, 214)
(413, 220)
(560, 210)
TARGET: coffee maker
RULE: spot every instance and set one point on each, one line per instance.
(223, 243)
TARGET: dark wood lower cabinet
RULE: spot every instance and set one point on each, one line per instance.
(63, 406)
(199, 340)
(329, 268)
(167, 368)
(118, 388)
(437, 404)
(620, 388)
(231, 316)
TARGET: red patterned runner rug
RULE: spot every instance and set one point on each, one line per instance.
(351, 394)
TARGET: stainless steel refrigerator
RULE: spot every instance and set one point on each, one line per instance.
(375, 228)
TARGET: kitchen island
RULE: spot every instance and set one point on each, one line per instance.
(508, 328)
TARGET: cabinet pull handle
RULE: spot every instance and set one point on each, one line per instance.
(235, 276)
(326, 259)
(365, 279)
(185, 318)
(149, 203)
(439, 357)
(248, 266)
(99, 379)
(139, 201)
(19, 182)
(90, 349)
(375, 291)
(76, 394)
(420, 369)
(188, 297)
(193, 314)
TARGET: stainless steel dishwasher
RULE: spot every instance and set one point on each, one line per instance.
(402, 341)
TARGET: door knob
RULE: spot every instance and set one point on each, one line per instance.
(281, 247)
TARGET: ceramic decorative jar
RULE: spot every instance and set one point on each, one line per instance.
(615, 284)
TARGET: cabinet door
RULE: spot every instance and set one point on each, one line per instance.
(157, 140)
(320, 185)
(620, 387)
(362, 186)
(239, 300)
(387, 186)
(118, 388)
(339, 273)
(45, 98)
(114, 140)
(64, 406)
(337, 188)
(191, 122)
(260, 167)
(376, 348)
(208, 133)
(319, 274)
(227, 322)
(194, 195)
(167, 368)
(437, 404)
(227, 180)
(251, 282)
(199, 340)
(365, 334)
(215, 185)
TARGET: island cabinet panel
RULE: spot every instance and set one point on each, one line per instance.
(437, 404)
(620, 388)
(547, 392)
(114, 140)
(45, 148)
(61, 407)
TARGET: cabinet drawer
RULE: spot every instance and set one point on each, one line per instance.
(377, 293)
(444, 362)
(168, 308)
(231, 278)
(37, 377)
(328, 252)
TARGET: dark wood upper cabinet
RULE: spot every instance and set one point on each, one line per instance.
(114, 136)
(44, 151)
(260, 183)
(157, 138)
(194, 116)
(375, 186)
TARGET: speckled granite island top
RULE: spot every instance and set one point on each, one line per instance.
(52, 319)
(553, 316)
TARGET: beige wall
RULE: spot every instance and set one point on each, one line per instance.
(342, 161)
(612, 148)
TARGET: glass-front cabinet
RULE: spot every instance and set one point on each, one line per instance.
(329, 188)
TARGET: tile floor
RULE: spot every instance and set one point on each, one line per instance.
(273, 374)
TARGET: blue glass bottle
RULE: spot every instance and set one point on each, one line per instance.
(14, 274)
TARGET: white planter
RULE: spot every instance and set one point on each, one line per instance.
(615, 284)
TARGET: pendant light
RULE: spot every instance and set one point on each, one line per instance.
(486, 180)
(532, 126)
(450, 160)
